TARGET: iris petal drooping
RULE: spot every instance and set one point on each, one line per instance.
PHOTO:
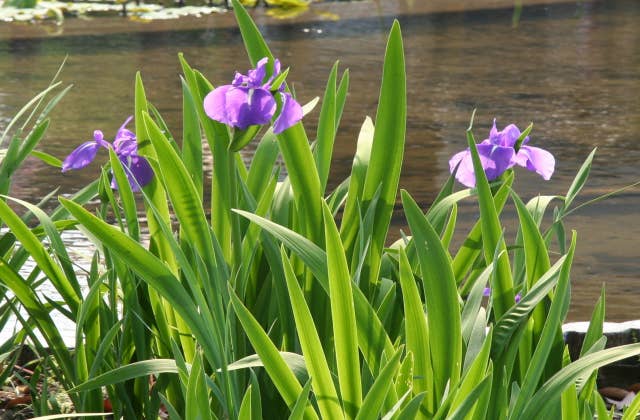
(249, 100)
(497, 154)
(137, 168)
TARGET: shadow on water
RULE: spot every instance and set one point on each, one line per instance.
(570, 68)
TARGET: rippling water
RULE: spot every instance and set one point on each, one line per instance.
(572, 69)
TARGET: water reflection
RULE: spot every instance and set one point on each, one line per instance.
(570, 68)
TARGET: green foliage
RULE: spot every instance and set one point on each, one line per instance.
(263, 304)
(21, 4)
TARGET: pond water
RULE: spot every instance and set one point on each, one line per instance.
(571, 68)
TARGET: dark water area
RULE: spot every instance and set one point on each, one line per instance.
(571, 68)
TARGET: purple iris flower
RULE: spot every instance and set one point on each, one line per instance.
(138, 170)
(487, 292)
(497, 154)
(249, 100)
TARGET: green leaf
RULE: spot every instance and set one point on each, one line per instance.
(32, 140)
(502, 286)
(537, 262)
(245, 412)
(472, 398)
(549, 393)
(473, 303)
(191, 137)
(69, 290)
(197, 398)
(185, 200)
(40, 314)
(547, 339)
(293, 142)
(254, 42)
(595, 328)
(282, 377)
(601, 408)
(303, 400)
(326, 133)
(33, 101)
(126, 196)
(410, 411)
(569, 403)
(341, 96)
(389, 415)
(441, 294)
(242, 137)
(152, 270)
(69, 415)
(416, 333)
(579, 180)
(536, 253)
(157, 196)
(471, 385)
(592, 336)
(631, 412)
(472, 245)
(374, 399)
(388, 148)
(350, 219)
(517, 314)
(261, 169)
(295, 362)
(522, 136)
(343, 318)
(372, 337)
(322, 383)
(279, 80)
(130, 371)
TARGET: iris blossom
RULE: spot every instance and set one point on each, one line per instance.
(249, 100)
(497, 154)
(138, 170)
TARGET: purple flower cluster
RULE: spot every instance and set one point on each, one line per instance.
(497, 154)
(249, 100)
(138, 170)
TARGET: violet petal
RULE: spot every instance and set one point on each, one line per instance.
(257, 110)
(138, 170)
(537, 160)
(257, 75)
(507, 137)
(215, 104)
(465, 174)
(495, 159)
(290, 114)
(82, 156)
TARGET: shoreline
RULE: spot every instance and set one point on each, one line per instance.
(315, 13)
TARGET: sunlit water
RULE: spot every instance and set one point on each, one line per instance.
(572, 69)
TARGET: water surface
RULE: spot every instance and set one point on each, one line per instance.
(571, 68)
